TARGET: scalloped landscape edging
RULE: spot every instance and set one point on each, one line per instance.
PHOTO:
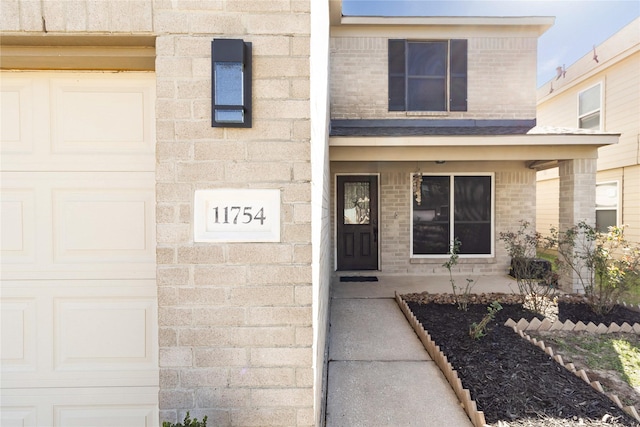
(568, 326)
(523, 325)
(463, 395)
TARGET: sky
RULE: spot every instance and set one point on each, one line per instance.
(579, 24)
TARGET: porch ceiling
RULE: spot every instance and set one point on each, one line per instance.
(539, 151)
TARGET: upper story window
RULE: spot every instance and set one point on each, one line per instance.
(589, 108)
(428, 75)
(606, 206)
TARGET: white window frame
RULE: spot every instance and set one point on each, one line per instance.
(618, 199)
(599, 110)
(452, 224)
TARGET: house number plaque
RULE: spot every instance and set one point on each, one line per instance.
(237, 215)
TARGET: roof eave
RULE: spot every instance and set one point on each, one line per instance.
(536, 24)
(487, 141)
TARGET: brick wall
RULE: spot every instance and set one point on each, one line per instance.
(501, 79)
(577, 201)
(235, 319)
(64, 16)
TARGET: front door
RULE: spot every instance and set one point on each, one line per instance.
(357, 222)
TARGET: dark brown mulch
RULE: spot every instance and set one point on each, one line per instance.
(510, 379)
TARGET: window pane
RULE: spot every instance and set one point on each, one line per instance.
(592, 121)
(428, 59)
(357, 199)
(426, 95)
(228, 80)
(229, 116)
(475, 239)
(589, 100)
(605, 218)
(607, 195)
(472, 218)
(431, 217)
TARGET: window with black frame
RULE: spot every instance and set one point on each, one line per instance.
(428, 75)
(451, 207)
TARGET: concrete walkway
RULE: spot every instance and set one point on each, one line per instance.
(379, 372)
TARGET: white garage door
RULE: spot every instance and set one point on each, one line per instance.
(79, 299)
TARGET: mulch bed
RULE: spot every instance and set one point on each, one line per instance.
(512, 381)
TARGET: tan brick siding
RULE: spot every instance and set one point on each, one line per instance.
(235, 319)
(64, 16)
(501, 79)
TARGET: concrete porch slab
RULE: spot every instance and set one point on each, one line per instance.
(387, 285)
(372, 329)
(405, 393)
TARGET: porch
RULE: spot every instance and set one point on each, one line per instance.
(378, 370)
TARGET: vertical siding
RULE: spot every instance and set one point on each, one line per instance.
(621, 107)
(621, 114)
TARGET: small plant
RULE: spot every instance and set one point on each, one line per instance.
(478, 330)
(463, 298)
(605, 264)
(536, 283)
(187, 422)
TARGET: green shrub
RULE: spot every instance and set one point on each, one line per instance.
(187, 422)
(537, 283)
(605, 264)
(478, 330)
(460, 295)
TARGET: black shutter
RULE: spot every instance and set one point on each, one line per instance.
(397, 75)
(458, 76)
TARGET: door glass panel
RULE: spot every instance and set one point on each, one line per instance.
(357, 198)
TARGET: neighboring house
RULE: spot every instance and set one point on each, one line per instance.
(169, 243)
(600, 92)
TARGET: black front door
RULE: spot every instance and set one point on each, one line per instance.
(357, 222)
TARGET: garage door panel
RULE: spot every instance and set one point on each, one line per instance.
(100, 115)
(17, 229)
(16, 120)
(106, 225)
(103, 333)
(98, 225)
(19, 335)
(19, 416)
(88, 333)
(103, 416)
(129, 407)
(72, 122)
